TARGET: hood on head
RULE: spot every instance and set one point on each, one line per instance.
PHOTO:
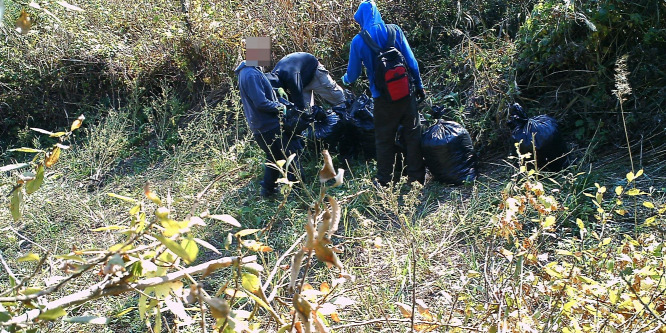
(367, 14)
(273, 79)
(240, 67)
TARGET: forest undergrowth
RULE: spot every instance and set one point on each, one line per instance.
(161, 177)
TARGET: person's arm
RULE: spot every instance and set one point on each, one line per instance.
(294, 85)
(354, 65)
(403, 46)
(254, 88)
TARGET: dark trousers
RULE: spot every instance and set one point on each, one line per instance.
(279, 146)
(388, 116)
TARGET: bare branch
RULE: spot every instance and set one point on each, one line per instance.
(108, 289)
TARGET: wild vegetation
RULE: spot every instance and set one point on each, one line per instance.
(143, 214)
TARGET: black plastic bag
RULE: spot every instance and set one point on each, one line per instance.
(295, 121)
(540, 136)
(363, 124)
(327, 129)
(448, 152)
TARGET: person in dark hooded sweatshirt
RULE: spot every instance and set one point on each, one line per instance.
(262, 112)
(300, 74)
(388, 115)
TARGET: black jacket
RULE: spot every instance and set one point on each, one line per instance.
(294, 72)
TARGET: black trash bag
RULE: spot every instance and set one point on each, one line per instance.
(363, 124)
(448, 152)
(295, 121)
(550, 148)
(327, 130)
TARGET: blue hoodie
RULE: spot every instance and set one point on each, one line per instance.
(259, 101)
(369, 18)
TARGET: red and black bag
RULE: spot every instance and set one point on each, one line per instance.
(391, 73)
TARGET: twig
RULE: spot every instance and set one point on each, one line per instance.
(401, 320)
(37, 269)
(4, 264)
(106, 289)
(277, 264)
(413, 286)
(663, 323)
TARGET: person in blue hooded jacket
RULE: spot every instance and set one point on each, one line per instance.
(388, 115)
(262, 112)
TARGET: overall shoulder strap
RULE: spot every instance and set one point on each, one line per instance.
(369, 41)
(391, 29)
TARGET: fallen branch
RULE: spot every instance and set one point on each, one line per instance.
(401, 320)
(108, 289)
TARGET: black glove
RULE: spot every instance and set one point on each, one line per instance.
(420, 95)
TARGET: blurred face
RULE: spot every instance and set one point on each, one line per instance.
(258, 51)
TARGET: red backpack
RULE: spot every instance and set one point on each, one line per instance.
(391, 73)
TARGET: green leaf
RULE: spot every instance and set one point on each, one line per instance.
(246, 232)
(121, 197)
(4, 316)
(176, 248)
(13, 167)
(28, 257)
(15, 203)
(34, 185)
(52, 314)
(27, 150)
(88, 320)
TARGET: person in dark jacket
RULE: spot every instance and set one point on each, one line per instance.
(388, 115)
(262, 112)
(300, 74)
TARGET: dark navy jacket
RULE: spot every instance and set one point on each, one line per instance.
(294, 72)
(369, 18)
(259, 101)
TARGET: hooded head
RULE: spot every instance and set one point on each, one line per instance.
(273, 79)
(368, 15)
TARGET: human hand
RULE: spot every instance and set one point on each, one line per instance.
(420, 95)
(282, 93)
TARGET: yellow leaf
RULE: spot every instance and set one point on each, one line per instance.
(335, 317)
(256, 246)
(251, 283)
(618, 190)
(326, 255)
(52, 157)
(246, 232)
(634, 192)
(77, 123)
(639, 173)
(150, 195)
(219, 307)
(52, 314)
(28, 257)
(23, 23)
(650, 221)
(648, 204)
(405, 310)
(327, 172)
(235, 293)
(424, 310)
(580, 224)
(325, 288)
(303, 307)
(549, 222)
(630, 177)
